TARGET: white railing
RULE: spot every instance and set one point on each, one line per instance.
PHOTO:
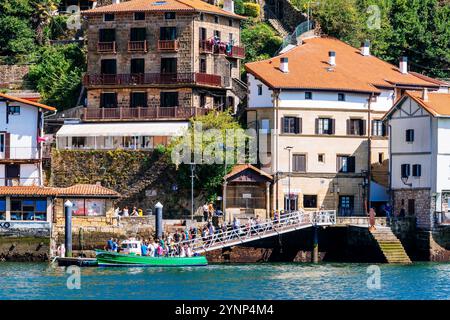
(241, 234)
(20, 153)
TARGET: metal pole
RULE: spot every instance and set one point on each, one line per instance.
(289, 182)
(192, 191)
(68, 227)
(158, 220)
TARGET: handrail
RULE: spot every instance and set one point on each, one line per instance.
(285, 223)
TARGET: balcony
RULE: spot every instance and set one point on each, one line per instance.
(12, 182)
(106, 47)
(152, 79)
(137, 46)
(168, 45)
(142, 113)
(235, 52)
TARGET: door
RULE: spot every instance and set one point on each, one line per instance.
(291, 203)
(2, 146)
(169, 65)
(12, 174)
(346, 205)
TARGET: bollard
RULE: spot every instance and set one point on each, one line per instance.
(315, 252)
(159, 220)
(68, 227)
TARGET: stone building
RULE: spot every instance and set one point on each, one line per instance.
(322, 103)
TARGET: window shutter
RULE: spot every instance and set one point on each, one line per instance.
(351, 164)
(7, 142)
(333, 121)
(348, 127)
(412, 135)
(299, 125)
(384, 129)
(317, 126)
(364, 127)
(302, 163)
(338, 163)
(282, 125)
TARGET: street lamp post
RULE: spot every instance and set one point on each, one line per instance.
(289, 148)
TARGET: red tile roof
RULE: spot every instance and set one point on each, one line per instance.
(88, 190)
(161, 6)
(309, 69)
(27, 102)
(241, 167)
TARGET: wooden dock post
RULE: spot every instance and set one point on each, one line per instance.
(315, 251)
(68, 227)
(158, 220)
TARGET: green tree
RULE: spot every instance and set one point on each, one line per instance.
(42, 17)
(57, 74)
(260, 39)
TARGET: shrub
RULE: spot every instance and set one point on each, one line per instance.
(252, 9)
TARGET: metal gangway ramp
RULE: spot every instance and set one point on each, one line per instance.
(286, 223)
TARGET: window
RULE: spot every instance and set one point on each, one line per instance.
(2, 209)
(308, 95)
(29, 209)
(108, 66)
(13, 110)
(167, 33)
(409, 135)
(139, 16)
(405, 170)
(380, 157)
(2, 142)
(202, 17)
(345, 164)
(230, 22)
(169, 65)
(107, 35)
(202, 100)
(321, 158)
(216, 19)
(291, 202)
(299, 163)
(356, 127)
(169, 99)
(108, 100)
(310, 201)
(88, 207)
(378, 128)
(109, 17)
(137, 66)
(202, 34)
(138, 34)
(202, 65)
(417, 170)
(291, 125)
(138, 99)
(346, 205)
(169, 15)
(78, 142)
(259, 89)
(325, 126)
(341, 96)
(217, 34)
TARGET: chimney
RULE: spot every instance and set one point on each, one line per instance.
(425, 94)
(365, 51)
(404, 65)
(98, 183)
(115, 1)
(284, 65)
(228, 5)
(332, 56)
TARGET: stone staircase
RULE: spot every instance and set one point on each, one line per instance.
(272, 19)
(390, 245)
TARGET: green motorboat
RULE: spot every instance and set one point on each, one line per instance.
(108, 258)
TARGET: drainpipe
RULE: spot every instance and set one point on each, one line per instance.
(275, 145)
(369, 153)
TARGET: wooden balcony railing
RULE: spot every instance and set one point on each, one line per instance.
(152, 79)
(167, 45)
(137, 46)
(106, 47)
(235, 51)
(142, 113)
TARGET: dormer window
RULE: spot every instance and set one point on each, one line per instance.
(109, 17)
(169, 15)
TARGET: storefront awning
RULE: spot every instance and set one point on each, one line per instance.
(378, 193)
(123, 129)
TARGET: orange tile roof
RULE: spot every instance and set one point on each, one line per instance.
(309, 69)
(438, 104)
(88, 190)
(27, 102)
(161, 6)
(432, 80)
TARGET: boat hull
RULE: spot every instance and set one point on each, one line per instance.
(112, 259)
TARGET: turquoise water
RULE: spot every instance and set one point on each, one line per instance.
(248, 281)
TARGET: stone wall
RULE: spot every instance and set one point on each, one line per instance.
(25, 242)
(12, 76)
(424, 205)
(289, 15)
